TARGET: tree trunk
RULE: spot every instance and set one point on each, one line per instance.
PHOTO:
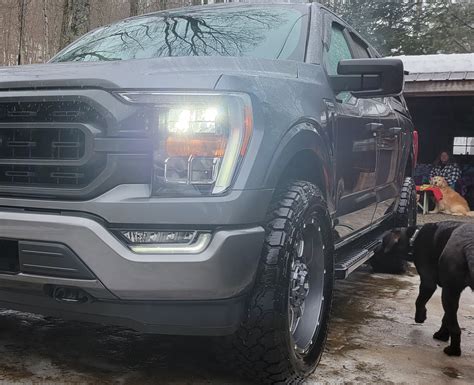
(46, 30)
(76, 20)
(163, 4)
(21, 23)
(134, 7)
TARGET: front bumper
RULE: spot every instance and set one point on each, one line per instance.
(199, 318)
(155, 290)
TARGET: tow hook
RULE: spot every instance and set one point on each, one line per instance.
(69, 294)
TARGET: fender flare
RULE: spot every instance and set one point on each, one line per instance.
(303, 136)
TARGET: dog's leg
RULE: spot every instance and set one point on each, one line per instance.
(437, 208)
(424, 295)
(443, 333)
(450, 299)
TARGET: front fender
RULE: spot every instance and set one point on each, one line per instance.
(305, 136)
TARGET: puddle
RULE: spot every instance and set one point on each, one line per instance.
(451, 372)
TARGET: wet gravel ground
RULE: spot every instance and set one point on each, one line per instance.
(373, 339)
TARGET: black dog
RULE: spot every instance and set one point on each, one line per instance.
(443, 254)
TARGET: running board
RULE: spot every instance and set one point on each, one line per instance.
(347, 262)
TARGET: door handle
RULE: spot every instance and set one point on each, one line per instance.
(395, 130)
(374, 127)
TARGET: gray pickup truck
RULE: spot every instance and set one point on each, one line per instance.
(204, 171)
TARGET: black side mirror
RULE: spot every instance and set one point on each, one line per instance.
(369, 78)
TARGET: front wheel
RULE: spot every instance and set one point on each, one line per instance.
(283, 337)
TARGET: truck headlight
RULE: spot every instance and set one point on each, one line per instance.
(199, 139)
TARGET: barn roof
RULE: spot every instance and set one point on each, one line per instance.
(463, 62)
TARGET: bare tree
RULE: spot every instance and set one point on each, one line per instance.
(46, 28)
(21, 23)
(76, 20)
(134, 7)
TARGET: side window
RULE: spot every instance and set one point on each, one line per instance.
(360, 49)
(338, 49)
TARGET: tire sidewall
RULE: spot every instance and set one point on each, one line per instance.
(263, 347)
(305, 364)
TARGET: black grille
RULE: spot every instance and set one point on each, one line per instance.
(50, 111)
(47, 144)
(48, 176)
(42, 143)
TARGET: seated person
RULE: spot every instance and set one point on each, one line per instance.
(445, 168)
(422, 173)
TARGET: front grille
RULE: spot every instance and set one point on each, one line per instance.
(56, 143)
(73, 111)
(48, 176)
(48, 144)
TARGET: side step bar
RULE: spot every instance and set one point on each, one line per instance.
(347, 263)
(349, 256)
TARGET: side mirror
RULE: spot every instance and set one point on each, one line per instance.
(369, 78)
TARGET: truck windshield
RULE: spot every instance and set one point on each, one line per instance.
(275, 32)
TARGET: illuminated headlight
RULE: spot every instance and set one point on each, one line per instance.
(167, 242)
(199, 139)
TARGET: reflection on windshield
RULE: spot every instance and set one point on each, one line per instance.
(273, 33)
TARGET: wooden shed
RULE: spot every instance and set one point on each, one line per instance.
(439, 91)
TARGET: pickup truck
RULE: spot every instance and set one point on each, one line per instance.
(204, 171)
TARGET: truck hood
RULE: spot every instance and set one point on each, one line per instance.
(172, 73)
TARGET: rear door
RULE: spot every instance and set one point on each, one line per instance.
(388, 160)
(355, 142)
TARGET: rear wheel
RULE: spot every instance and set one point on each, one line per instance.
(283, 337)
(405, 216)
(407, 210)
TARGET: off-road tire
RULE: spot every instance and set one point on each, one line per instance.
(407, 208)
(263, 347)
(405, 216)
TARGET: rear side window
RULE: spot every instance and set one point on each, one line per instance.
(338, 50)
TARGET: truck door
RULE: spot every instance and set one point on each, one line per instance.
(388, 183)
(355, 145)
(386, 131)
